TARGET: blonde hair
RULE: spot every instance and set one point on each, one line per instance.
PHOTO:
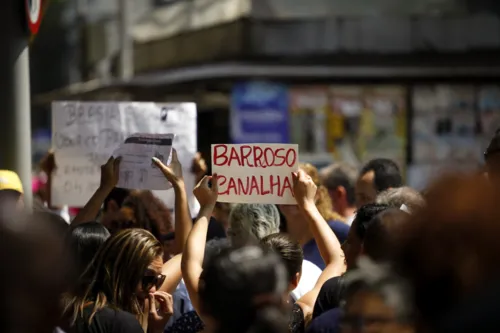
(323, 201)
(114, 273)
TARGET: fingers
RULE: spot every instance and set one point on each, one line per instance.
(204, 181)
(116, 163)
(153, 312)
(165, 301)
(174, 155)
(159, 163)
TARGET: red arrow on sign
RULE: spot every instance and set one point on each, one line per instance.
(34, 11)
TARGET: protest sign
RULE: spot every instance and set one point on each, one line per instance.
(85, 135)
(255, 173)
(137, 171)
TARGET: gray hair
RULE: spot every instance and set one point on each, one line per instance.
(396, 197)
(340, 174)
(252, 222)
(379, 278)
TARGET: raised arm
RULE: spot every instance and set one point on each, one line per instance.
(328, 244)
(109, 178)
(183, 221)
(194, 252)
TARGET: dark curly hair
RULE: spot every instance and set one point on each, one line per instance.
(142, 209)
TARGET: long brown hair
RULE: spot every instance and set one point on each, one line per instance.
(116, 272)
(323, 201)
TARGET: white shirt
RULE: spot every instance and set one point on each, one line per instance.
(310, 275)
(182, 303)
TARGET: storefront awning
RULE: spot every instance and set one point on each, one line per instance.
(236, 70)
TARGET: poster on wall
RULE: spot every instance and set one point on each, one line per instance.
(259, 113)
(446, 128)
(344, 122)
(308, 118)
(383, 124)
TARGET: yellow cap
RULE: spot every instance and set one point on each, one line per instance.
(9, 180)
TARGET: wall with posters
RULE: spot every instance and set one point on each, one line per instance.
(352, 123)
(452, 125)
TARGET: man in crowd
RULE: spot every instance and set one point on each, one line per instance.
(340, 180)
(330, 296)
(11, 191)
(397, 197)
(376, 176)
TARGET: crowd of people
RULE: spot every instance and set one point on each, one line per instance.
(359, 252)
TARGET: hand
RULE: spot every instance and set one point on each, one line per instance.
(173, 172)
(207, 196)
(48, 163)
(158, 317)
(304, 188)
(199, 166)
(110, 173)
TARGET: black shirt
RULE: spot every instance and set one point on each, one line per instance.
(107, 320)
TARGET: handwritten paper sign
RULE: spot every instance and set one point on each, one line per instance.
(85, 135)
(137, 171)
(255, 173)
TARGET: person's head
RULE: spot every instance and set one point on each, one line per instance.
(34, 275)
(221, 213)
(376, 300)
(84, 242)
(353, 246)
(127, 268)
(376, 176)
(243, 290)
(11, 191)
(340, 181)
(396, 197)
(252, 222)
(214, 247)
(323, 201)
(492, 157)
(291, 253)
(450, 248)
(382, 235)
(115, 199)
(141, 209)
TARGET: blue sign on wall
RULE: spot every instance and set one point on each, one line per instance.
(259, 113)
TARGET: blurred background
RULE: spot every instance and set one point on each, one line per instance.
(416, 81)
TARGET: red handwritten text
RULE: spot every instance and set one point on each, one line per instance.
(253, 156)
(255, 185)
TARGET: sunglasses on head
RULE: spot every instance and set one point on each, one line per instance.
(150, 281)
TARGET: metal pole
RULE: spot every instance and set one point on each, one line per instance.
(126, 42)
(22, 135)
(15, 118)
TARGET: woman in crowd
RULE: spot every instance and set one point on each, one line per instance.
(291, 253)
(122, 294)
(305, 191)
(298, 228)
(238, 290)
(84, 242)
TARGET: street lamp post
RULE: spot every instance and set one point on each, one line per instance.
(15, 104)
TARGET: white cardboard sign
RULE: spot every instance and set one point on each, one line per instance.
(85, 135)
(255, 173)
